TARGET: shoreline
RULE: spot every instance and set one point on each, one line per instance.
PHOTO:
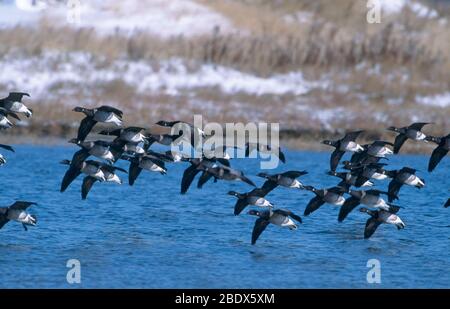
(295, 142)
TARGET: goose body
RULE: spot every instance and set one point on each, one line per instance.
(13, 103)
(18, 212)
(279, 217)
(412, 132)
(379, 217)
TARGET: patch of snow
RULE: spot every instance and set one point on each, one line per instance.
(301, 17)
(396, 6)
(391, 6)
(423, 11)
(439, 100)
(53, 72)
(164, 18)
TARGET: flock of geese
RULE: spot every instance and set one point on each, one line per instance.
(133, 144)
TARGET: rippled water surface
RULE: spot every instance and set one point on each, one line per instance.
(150, 236)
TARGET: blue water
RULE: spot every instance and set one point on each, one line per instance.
(150, 236)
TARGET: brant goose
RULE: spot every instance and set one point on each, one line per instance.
(404, 176)
(13, 103)
(18, 212)
(227, 173)
(266, 149)
(349, 178)
(255, 197)
(99, 149)
(110, 176)
(280, 217)
(379, 217)
(439, 152)
(347, 143)
(447, 204)
(2, 158)
(89, 167)
(412, 132)
(4, 121)
(137, 164)
(333, 196)
(104, 113)
(369, 198)
(287, 179)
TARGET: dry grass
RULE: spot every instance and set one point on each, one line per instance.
(334, 43)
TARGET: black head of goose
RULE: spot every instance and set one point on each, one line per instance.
(378, 217)
(286, 179)
(347, 143)
(256, 197)
(104, 113)
(4, 121)
(447, 204)
(439, 152)
(371, 198)
(13, 103)
(333, 196)
(18, 212)
(138, 163)
(412, 131)
(280, 217)
(262, 148)
(2, 158)
(90, 168)
(404, 176)
(99, 149)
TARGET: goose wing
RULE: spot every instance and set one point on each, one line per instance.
(7, 147)
(294, 174)
(188, 176)
(288, 213)
(436, 157)
(313, 205)
(21, 205)
(85, 128)
(348, 206)
(204, 179)
(16, 96)
(371, 226)
(260, 226)
(335, 158)
(393, 189)
(69, 176)
(110, 109)
(351, 136)
(399, 141)
(240, 206)
(3, 217)
(134, 172)
(88, 182)
(418, 125)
